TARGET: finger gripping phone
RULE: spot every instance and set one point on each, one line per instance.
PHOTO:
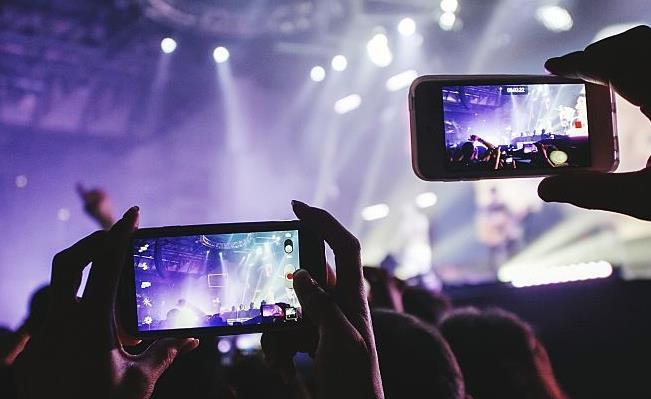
(499, 126)
(221, 279)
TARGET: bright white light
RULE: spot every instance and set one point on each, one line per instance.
(375, 212)
(401, 80)
(425, 200)
(447, 20)
(348, 103)
(378, 50)
(555, 18)
(143, 265)
(224, 345)
(449, 5)
(63, 214)
(220, 54)
(145, 284)
(168, 45)
(318, 73)
(143, 248)
(526, 276)
(21, 181)
(148, 320)
(407, 26)
(339, 63)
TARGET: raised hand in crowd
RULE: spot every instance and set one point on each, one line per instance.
(622, 61)
(78, 352)
(345, 357)
(97, 205)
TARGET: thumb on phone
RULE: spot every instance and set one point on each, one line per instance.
(317, 304)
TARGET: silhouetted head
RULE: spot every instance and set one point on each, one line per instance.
(173, 315)
(500, 356)
(38, 309)
(428, 306)
(415, 361)
(467, 151)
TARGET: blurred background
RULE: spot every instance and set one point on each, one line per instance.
(205, 111)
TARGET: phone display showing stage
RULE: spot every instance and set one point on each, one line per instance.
(502, 127)
(216, 280)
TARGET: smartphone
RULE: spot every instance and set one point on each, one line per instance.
(500, 126)
(221, 279)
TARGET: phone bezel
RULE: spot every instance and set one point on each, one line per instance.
(429, 157)
(312, 258)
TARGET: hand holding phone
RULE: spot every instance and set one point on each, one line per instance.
(617, 61)
(345, 357)
(476, 127)
(78, 353)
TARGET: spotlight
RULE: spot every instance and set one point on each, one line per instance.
(63, 214)
(145, 284)
(426, 200)
(525, 277)
(375, 212)
(401, 80)
(407, 27)
(378, 50)
(318, 73)
(348, 103)
(449, 5)
(339, 63)
(224, 345)
(555, 18)
(447, 20)
(21, 181)
(168, 45)
(220, 54)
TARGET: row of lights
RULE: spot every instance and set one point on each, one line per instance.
(380, 211)
(521, 276)
(220, 54)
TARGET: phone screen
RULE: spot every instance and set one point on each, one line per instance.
(511, 126)
(217, 280)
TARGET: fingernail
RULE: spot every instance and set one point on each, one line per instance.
(191, 344)
(131, 212)
(299, 207)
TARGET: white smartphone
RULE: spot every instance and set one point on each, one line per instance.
(470, 127)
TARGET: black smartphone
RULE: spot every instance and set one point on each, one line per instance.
(220, 279)
(500, 126)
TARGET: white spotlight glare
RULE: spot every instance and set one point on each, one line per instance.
(21, 181)
(447, 20)
(555, 18)
(407, 26)
(348, 103)
(318, 73)
(449, 5)
(375, 212)
(520, 276)
(401, 80)
(220, 54)
(63, 214)
(426, 200)
(168, 45)
(339, 63)
(378, 50)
